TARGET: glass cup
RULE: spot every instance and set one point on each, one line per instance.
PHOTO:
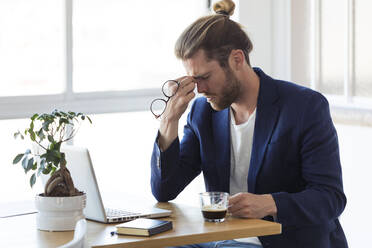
(214, 205)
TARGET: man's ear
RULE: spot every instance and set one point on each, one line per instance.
(236, 59)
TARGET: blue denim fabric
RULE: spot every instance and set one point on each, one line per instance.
(221, 244)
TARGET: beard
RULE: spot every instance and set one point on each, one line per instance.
(230, 92)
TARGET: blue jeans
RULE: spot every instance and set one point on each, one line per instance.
(221, 244)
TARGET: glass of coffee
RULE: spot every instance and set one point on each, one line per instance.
(214, 205)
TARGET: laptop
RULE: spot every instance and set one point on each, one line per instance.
(82, 173)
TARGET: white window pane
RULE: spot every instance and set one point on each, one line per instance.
(332, 46)
(363, 51)
(31, 47)
(123, 45)
(14, 182)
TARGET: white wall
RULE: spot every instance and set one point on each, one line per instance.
(259, 28)
(267, 23)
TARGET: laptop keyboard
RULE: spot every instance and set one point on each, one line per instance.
(117, 213)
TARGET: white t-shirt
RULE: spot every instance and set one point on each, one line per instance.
(241, 149)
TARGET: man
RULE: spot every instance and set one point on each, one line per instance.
(271, 144)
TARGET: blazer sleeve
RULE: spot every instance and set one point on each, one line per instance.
(323, 198)
(173, 169)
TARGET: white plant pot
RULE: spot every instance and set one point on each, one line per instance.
(59, 213)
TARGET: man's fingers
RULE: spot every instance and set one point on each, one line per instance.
(235, 206)
(237, 202)
(190, 96)
(183, 81)
(186, 89)
(242, 213)
(235, 198)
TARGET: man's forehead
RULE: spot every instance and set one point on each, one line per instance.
(198, 65)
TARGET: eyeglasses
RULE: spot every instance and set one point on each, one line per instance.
(158, 105)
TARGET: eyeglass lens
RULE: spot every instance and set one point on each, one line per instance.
(158, 107)
(170, 88)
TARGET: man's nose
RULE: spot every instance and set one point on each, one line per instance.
(201, 87)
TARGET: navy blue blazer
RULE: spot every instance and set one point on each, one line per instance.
(295, 157)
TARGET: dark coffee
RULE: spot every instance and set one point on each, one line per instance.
(214, 213)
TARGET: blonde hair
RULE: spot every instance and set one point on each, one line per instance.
(227, 7)
(216, 34)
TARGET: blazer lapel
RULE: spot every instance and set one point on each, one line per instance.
(221, 134)
(266, 117)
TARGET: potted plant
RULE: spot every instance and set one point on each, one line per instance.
(61, 205)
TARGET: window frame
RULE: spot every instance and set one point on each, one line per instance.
(14, 107)
(346, 108)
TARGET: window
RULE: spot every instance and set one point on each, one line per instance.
(122, 48)
(91, 56)
(362, 46)
(329, 47)
(31, 48)
(332, 35)
(342, 50)
(94, 56)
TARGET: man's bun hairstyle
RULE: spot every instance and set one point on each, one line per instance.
(224, 7)
(216, 34)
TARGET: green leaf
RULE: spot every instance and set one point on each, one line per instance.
(42, 163)
(39, 171)
(42, 117)
(18, 158)
(53, 170)
(63, 120)
(45, 125)
(56, 162)
(24, 163)
(47, 169)
(41, 134)
(53, 157)
(41, 167)
(34, 117)
(30, 164)
(34, 167)
(56, 154)
(32, 180)
(50, 138)
(57, 146)
(32, 134)
(16, 134)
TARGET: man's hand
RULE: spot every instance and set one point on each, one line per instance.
(176, 106)
(249, 205)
